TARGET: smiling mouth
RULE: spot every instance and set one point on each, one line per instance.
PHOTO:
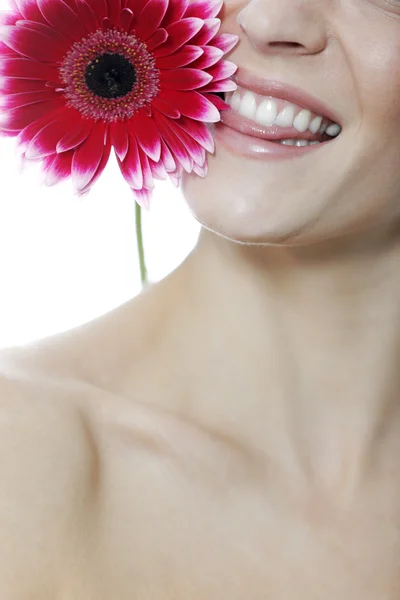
(276, 120)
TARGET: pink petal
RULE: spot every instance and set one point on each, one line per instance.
(100, 8)
(208, 31)
(45, 141)
(198, 131)
(87, 16)
(204, 9)
(30, 10)
(180, 58)
(210, 56)
(179, 33)
(88, 156)
(167, 159)
(177, 148)
(148, 181)
(217, 101)
(130, 167)
(227, 85)
(223, 70)
(193, 148)
(184, 79)
(126, 19)
(19, 118)
(28, 69)
(48, 47)
(175, 12)
(114, 11)
(225, 41)
(165, 108)
(119, 138)
(79, 132)
(11, 101)
(99, 170)
(150, 18)
(146, 134)
(10, 85)
(191, 104)
(62, 18)
(57, 168)
(26, 135)
(175, 178)
(201, 170)
(157, 39)
(158, 169)
(143, 198)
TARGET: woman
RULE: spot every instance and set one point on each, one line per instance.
(234, 431)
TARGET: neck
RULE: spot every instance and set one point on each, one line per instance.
(300, 342)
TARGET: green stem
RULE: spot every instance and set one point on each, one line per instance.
(140, 248)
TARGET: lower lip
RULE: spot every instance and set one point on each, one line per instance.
(249, 146)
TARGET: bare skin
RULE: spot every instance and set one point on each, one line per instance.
(234, 431)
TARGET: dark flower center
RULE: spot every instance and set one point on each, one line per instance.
(110, 76)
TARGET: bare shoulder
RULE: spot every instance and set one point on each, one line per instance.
(47, 481)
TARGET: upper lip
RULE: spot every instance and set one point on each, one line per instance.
(285, 91)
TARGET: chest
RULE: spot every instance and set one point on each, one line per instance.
(209, 526)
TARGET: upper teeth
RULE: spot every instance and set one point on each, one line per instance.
(269, 111)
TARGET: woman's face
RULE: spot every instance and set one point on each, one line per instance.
(346, 54)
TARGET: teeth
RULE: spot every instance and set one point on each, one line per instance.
(302, 121)
(298, 143)
(315, 124)
(265, 112)
(333, 130)
(285, 117)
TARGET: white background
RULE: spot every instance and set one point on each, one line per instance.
(65, 260)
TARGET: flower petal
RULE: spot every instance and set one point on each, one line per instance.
(223, 70)
(130, 167)
(207, 32)
(146, 134)
(199, 132)
(148, 181)
(26, 135)
(142, 197)
(194, 149)
(157, 39)
(62, 18)
(30, 10)
(192, 104)
(126, 19)
(185, 79)
(210, 56)
(167, 159)
(57, 168)
(114, 11)
(181, 57)
(204, 9)
(87, 16)
(227, 85)
(201, 170)
(165, 108)
(150, 18)
(13, 86)
(45, 141)
(217, 101)
(175, 12)
(10, 101)
(79, 132)
(119, 138)
(46, 45)
(225, 41)
(18, 118)
(100, 9)
(177, 148)
(88, 156)
(99, 170)
(27, 68)
(179, 33)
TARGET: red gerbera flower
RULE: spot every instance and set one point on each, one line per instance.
(81, 76)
